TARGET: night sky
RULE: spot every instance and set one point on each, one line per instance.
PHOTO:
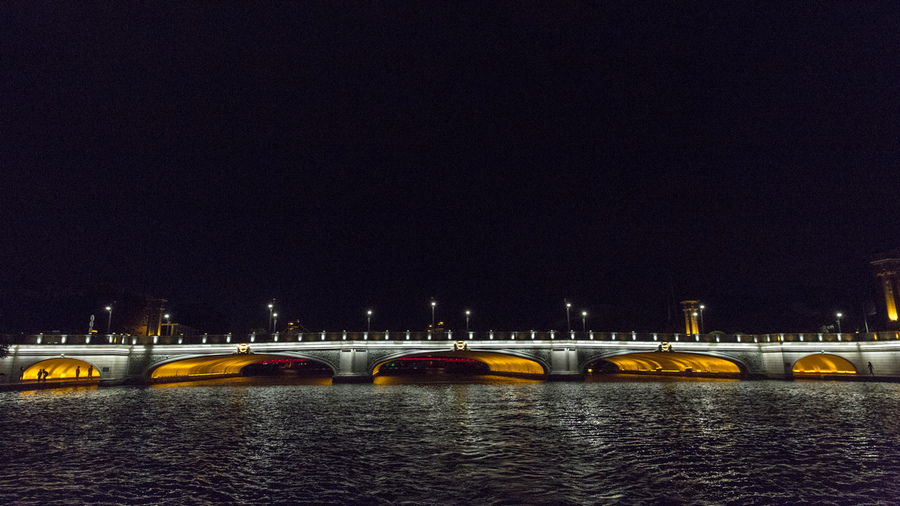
(495, 157)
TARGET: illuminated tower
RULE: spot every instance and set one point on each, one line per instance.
(691, 316)
(888, 272)
(154, 314)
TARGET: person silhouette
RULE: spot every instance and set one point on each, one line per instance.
(77, 372)
(90, 372)
(871, 369)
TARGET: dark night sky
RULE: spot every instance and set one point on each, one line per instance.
(341, 156)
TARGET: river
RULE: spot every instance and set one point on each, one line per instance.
(484, 441)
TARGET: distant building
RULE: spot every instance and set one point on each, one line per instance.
(177, 329)
(152, 320)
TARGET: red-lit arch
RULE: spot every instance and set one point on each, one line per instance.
(500, 363)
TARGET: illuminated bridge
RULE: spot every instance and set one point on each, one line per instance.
(362, 356)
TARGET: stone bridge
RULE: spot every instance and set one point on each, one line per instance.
(357, 357)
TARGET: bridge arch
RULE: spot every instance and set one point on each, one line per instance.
(217, 365)
(507, 363)
(62, 368)
(823, 363)
(671, 363)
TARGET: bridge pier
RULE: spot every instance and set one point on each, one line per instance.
(353, 366)
(564, 365)
(774, 365)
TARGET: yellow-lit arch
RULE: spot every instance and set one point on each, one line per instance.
(496, 362)
(673, 363)
(62, 369)
(823, 363)
(211, 366)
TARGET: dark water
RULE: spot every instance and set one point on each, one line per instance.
(496, 441)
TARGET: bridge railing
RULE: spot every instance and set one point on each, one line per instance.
(442, 335)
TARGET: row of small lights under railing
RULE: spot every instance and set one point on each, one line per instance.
(112, 339)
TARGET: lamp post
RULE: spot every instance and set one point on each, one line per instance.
(468, 313)
(275, 326)
(433, 303)
(583, 318)
(168, 323)
(839, 316)
(568, 320)
(702, 307)
(271, 308)
(369, 321)
(109, 322)
(866, 317)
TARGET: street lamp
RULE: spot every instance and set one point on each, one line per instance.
(568, 320)
(168, 323)
(839, 316)
(702, 307)
(369, 321)
(271, 306)
(583, 318)
(275, 326)
(109, 322)
(468, 313)
(433, 303)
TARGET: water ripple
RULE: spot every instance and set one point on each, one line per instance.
(488, 443)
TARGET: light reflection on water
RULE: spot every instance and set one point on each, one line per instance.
(58, 390)
(655, 378)
(451, 380)
(488, 441)
(245, 381)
